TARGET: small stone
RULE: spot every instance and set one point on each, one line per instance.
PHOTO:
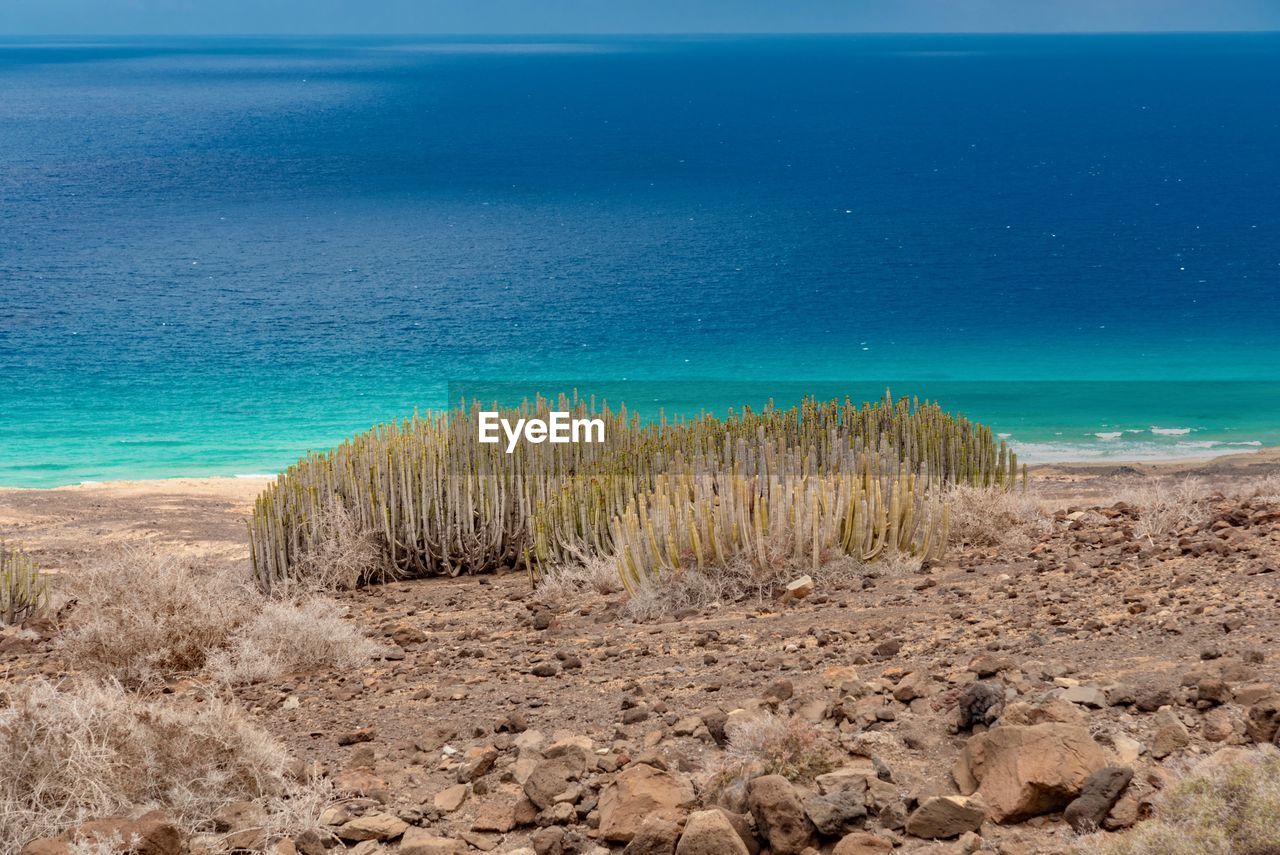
(451, 798)
(799, 588)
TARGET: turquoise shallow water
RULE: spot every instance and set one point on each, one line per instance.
(215, 255)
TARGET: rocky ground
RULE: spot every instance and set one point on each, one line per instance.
(988, 702)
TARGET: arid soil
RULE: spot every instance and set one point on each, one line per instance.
(500, 719)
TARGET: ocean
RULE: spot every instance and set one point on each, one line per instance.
(218, 254)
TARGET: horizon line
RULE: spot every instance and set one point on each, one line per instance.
(615, 34)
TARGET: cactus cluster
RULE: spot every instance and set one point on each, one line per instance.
(774, 522)
(857, 477)
(24, 590)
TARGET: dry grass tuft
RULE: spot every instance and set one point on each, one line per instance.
(341, 557)
(690, 590)
(1264, 488)
(1229, 811)
(766, 744)
(1166, 506)
(143, 617)
(983, 516)
(565, 581)
(738, 581)
(286, 637)
(72, 754)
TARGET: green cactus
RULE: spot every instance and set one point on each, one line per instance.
(24, 590)
(440, 502)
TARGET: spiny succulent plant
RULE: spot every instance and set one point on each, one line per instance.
(24, 590)
(441, 502)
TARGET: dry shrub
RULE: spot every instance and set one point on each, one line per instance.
(286, 637)
(738, 581)
(561, 582)
(1265, 488)
(690, 590)
(144, 616)
(299, 809)
(341, 557)
(989, 516)
(1233, 810)
(89, 750)
(1165, 505)
(767, 744)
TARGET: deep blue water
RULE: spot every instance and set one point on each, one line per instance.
(215, 255)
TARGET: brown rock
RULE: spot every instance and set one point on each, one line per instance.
(450, 798)
(500, 817)
(638, 792)
(1171, 734)
(1263, 719)
(374, 826)
(946, 816)
(155, 834)
(656, 836)
(862, 843)
(419, 841)
(1025, 771)
(552, 777)
(476, 762)
(779, 814)
(709, 832)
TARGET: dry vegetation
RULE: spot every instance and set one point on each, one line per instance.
(1165, 506)
(143, 617)
(768, 744)
(982, 516)
(285, 637)
(341, 557)
(1229, 810)
(93, 750)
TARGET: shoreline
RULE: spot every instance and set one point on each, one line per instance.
(1243, 463)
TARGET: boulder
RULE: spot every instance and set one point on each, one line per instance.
(1262, 721)
(638, 792)
(779, 814)
(709, 832)
(657, 835)
(837, 813)
(1023, 771)
(1101, 791)
(942, 817)
(1171, 734)
(981, 703)
(552, 777)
